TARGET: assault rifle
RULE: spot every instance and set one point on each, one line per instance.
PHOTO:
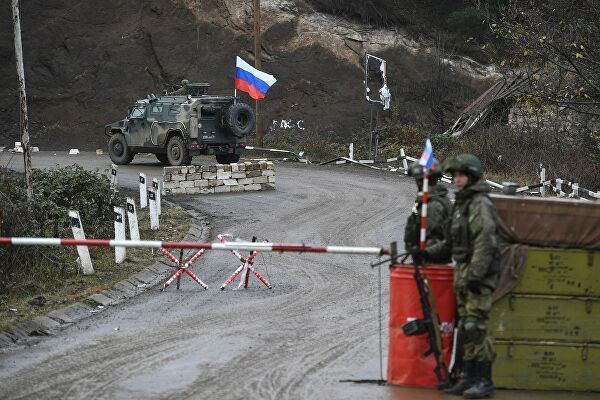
(430, 323)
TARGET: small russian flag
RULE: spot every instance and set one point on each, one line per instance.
(252, 81)
(426, 159)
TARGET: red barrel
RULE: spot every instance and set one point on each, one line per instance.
(406, 363)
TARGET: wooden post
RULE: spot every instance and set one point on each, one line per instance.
(22, 99)
(134, 230)
(120, 252)
(85, 261)
(257, 54)
(143, 191)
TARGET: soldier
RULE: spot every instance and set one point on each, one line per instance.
(474, 245)
(438, 215)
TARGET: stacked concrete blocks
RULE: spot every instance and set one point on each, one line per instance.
(220, 178)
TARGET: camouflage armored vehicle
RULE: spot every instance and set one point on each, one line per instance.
(181, 124)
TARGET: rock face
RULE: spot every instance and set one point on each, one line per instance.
(85, 62)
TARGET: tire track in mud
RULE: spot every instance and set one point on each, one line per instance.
(259, 343)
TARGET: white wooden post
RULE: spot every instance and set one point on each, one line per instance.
(542, 180)
(404, 162)
(134, 230)
(575, 190)
(143, 191)
(156, 187)
(351, 151)
(83, 252)
(153, 211)
(113, 176)
(119, 234)
(558, 187)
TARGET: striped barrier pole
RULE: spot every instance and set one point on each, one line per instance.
(227, 246)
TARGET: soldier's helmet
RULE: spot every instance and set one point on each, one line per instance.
(466, 163)
(416, 171)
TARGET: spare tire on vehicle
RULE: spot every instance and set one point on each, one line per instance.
(240, 119)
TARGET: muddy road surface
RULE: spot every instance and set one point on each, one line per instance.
(304, 339)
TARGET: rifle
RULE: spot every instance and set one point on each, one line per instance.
(430, 323)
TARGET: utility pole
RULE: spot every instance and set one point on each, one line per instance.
(257, 53)
(24, 122)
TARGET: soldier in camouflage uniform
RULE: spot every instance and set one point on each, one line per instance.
(474, 245)
(438, 214)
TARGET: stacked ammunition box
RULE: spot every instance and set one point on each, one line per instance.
(547, 328)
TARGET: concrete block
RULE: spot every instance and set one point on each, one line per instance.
(238, 175)
(171, 170)
(260, 179)
(267, 172)
(271, 179)
(178, 177)
(251, 188)
(230, 182)
(262, 164)
(207, 190)
(171, 185)
(227, 167)
(166, 177)
(241, 167)
(238, 188)
(224, 175)
(255, 167)
(209, 175)
(234, 167)
(245, 181)
(253, 173)
(270, 165)
(212, 168)
(178, 191)
(220, 167)
(101, 299)
(215, 182)
(194, 176)
(186, 184)
(222, 189)
(201, 183)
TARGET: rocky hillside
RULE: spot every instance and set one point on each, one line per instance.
(85, 62)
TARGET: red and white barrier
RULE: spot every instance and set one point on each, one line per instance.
(227, 246)
(246, 266)
(182, 268)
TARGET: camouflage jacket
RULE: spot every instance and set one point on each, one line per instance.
(438, 217)
(473, 240)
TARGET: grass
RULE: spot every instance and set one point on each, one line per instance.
(175, 223)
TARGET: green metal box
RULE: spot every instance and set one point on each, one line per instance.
(538, 317)
(554, 271)
(547, 366)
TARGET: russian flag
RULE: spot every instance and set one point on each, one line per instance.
(252, 81)
(426, 159)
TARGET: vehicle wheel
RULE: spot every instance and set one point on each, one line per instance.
(162, 157)
(118, 150)
(240, 119)
(177, 152)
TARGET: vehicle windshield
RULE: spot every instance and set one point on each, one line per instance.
(137, 112)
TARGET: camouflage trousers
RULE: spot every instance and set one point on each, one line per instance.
(473, 312)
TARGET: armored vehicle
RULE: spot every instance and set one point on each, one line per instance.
(181, 124)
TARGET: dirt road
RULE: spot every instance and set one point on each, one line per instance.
(315, 328)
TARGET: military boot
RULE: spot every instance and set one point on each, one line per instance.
(484, 387)
(468, 380)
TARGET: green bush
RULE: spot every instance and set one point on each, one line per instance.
(54, 193)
